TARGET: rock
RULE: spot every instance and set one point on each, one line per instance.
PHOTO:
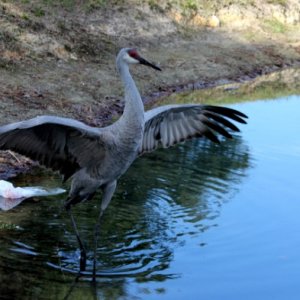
(213, 22)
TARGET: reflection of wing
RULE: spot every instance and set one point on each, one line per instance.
(170, 124)
(58, 143)
(7, 204)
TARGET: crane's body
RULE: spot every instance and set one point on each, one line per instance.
(96, 157)
(119, 145)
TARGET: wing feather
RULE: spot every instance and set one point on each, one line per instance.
(170, 124)
(61, 144)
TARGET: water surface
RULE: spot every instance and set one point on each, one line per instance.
(196, 221)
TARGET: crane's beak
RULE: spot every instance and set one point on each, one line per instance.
(147, 63)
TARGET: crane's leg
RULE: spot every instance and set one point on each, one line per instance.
(81, 246)
(108, 191)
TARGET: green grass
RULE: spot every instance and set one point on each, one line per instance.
(234, 93)
(275, 26)
(39, 12)
(6, 226)
(277, 2)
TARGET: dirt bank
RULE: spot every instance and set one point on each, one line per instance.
(57, 57)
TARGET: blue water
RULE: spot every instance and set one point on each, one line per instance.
(253, 253)
(197, 221)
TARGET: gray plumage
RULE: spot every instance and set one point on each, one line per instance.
(97, 157)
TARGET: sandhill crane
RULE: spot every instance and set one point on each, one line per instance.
(95, 158)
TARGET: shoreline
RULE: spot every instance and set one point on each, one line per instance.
(153, 98)
(60, 61)
(12, 164)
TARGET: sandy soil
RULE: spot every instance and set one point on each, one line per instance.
(61, 61)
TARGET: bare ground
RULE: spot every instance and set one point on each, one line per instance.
(61, 61)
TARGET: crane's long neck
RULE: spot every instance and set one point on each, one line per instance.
(133, 115)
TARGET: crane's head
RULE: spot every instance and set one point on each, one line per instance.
(131, 56)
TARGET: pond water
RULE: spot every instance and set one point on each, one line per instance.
(197, 221)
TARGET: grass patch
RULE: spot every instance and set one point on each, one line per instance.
(277, 2)
(63, 3)
(235, 93)
(275, 26)
(88, 5)
(38, 12)
(6, 226)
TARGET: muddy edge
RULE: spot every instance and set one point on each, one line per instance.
(61, 60)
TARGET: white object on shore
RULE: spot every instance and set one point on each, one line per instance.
(8, 191)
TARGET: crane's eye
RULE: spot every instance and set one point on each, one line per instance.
(133, 53)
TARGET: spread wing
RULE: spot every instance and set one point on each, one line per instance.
(61, 144)
(170, 124)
